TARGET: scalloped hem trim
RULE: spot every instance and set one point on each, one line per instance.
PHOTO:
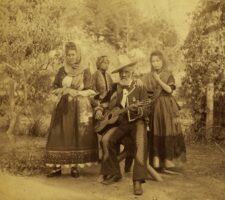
(81, 165)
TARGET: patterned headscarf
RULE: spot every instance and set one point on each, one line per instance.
(149, 80)
(161, 57)
(73, 46)
(76, 69)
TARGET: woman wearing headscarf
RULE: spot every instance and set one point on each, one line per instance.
(72, 141)
(167, 147)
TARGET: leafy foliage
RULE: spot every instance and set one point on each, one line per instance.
(32, 31)
(29, 30)
(204, 55)
(122, 25)
(35, 27)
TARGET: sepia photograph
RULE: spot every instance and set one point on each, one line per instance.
(112, 99)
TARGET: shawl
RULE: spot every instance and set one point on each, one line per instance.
(152, 85)
(74, 77)
(102, 83)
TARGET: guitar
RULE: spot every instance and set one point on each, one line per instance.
(112, 116)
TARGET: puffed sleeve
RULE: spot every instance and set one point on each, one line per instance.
(57, 83)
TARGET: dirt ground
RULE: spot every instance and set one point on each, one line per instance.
(203, 178)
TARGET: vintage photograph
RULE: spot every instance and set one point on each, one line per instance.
(112, 99)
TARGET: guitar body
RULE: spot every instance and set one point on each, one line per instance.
(110, 118)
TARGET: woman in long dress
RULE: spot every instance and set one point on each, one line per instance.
(72, 141)
(167, 146)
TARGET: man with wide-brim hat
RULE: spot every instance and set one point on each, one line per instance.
(129, 65)
(131, 123)
(102, 84)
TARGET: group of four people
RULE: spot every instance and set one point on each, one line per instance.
(84, 99)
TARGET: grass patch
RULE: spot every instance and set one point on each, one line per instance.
(24, 155)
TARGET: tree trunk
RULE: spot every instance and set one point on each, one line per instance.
(13, 114)
(13, 121)
(25, 94)
(210, 107)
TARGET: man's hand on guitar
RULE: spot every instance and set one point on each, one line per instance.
(99, 115)
(133, 107)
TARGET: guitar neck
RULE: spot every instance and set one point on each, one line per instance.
(141, 103)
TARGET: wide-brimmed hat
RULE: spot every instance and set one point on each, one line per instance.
(124, 62)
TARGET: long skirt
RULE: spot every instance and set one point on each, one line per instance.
(167, 146)
(71, 138)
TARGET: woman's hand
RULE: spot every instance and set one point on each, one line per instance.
(87, 93)
(65, 91)
(99, 115)
(73, 92)
(92, 92)
(57, 91)
(156, 76)
(164, 86)
(70, 92)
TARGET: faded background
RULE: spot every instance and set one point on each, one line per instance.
(190, 33)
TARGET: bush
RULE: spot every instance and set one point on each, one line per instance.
(22, 163)
(204, 57)
(23, 155)
(41, 126)
(33, 30)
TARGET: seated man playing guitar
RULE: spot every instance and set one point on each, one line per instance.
(130, 108)
(103, 85)
(105, 127)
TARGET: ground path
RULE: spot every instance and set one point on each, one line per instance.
(203, 179)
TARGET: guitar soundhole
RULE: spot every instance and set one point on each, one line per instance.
(110, 116)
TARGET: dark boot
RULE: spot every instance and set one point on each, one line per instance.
(75, 172)
(111, 179)
(56, 171)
